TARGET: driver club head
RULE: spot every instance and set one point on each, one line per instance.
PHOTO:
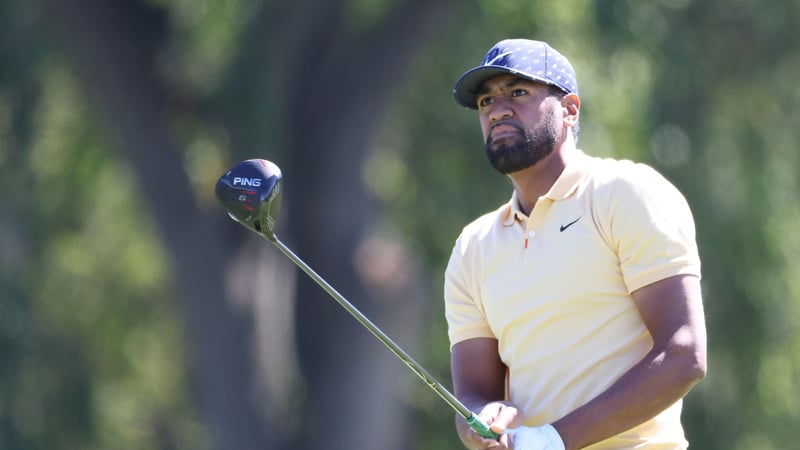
(251, 192)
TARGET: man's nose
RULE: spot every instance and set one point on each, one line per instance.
(501, 110)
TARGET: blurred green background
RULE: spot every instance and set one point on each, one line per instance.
(135, 315)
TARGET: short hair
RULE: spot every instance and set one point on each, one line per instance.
(557, 92)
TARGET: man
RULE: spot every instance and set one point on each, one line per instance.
(574, 310)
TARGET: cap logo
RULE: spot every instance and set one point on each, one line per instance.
(494, 60)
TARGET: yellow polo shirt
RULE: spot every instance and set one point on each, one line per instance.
(555, 288)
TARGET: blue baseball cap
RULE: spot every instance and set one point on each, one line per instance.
(532, 60)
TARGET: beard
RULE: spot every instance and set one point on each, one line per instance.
(518, 152)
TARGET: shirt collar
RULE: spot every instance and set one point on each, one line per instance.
(566, 185)
(512, 212)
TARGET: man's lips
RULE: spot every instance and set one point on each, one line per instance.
(504, 130)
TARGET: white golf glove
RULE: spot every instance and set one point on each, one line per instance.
(536, 438)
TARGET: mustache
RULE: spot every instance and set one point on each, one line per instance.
(506, 123)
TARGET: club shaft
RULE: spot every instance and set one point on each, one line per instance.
(449, 398)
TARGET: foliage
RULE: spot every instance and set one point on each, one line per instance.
(93, 337)
(92, 347)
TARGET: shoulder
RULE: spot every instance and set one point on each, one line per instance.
(610, 171)
(626, 178)
(482, 227)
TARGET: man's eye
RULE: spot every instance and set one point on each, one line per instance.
(485, 101)
(518, 92)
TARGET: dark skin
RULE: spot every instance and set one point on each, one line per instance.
(671, 309)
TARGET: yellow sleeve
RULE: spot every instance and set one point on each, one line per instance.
(463, 311)
(652, 227)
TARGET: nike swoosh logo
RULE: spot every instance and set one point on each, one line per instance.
(564, 227)
(497, 58)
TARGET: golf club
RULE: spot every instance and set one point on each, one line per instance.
(251, 193)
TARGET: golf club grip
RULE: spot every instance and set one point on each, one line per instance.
(481, 428)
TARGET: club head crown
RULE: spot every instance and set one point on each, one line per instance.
(250, 192)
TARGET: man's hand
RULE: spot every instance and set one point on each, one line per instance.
(536, 438)
(500, 416)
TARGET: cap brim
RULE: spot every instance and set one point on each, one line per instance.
(466, 89)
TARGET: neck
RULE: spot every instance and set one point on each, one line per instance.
(535, 181)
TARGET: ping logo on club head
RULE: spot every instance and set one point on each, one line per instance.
(243, 181)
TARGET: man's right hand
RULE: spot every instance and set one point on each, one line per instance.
(500, 416)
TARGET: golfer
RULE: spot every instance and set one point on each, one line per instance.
(574, 310)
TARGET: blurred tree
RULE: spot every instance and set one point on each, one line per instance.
(91, 347)
(117, 118)
(332, 55)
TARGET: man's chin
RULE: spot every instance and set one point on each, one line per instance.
(508, 163)
(508, 169)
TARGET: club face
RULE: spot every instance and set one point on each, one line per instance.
(251, 193)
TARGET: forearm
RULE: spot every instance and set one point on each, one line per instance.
(478, 380)
(662, 378)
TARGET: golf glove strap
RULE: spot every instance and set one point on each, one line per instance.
(537, 438)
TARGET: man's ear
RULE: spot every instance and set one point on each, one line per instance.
(572, 107)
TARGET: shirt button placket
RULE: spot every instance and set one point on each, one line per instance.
(536, 217)
(529, 236)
